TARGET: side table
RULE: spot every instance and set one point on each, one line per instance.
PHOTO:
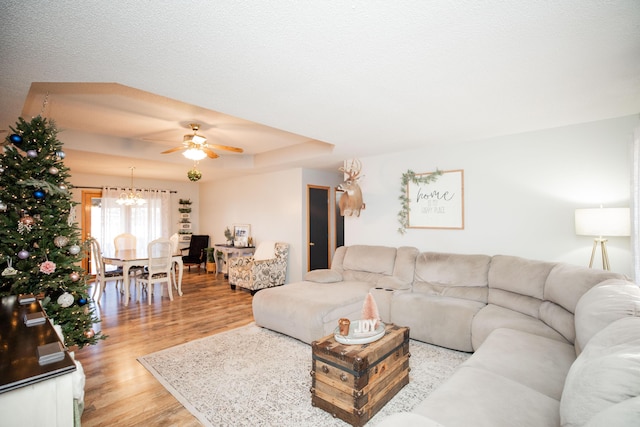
(352, 382)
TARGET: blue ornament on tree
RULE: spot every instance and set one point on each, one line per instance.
(38, 194)
(82, 301)
(15, 139)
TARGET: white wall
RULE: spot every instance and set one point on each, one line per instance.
(274, 204)
(520, 193)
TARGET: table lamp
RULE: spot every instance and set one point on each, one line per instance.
(602, 222)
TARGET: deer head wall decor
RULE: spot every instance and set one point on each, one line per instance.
(351, 200)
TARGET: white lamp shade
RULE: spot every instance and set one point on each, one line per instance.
(603, 222)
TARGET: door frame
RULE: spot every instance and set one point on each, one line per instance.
(329, 222)
(85, 221)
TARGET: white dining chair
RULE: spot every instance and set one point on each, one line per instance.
(159, 269)
(102, 275)
(125, 242)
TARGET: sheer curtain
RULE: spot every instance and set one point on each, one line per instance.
(147, 222)
(635, 205)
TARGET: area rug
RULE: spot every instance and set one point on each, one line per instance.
(252, 376)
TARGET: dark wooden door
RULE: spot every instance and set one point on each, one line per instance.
(318, 211)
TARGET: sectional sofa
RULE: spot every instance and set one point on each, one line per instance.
(553, 344)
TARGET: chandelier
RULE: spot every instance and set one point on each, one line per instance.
(132, 198)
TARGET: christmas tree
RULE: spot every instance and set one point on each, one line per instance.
(40, 243)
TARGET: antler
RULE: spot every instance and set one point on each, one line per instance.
(353, 170)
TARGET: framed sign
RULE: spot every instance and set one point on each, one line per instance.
(438, 204)
(241, 233)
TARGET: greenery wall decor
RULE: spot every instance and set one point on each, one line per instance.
(407, 177)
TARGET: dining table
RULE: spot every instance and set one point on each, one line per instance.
(128, 258)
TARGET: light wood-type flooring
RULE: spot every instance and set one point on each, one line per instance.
(119, 391)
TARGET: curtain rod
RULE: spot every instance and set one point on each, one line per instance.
(100, 188)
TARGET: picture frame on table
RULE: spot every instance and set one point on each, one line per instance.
(241, 233)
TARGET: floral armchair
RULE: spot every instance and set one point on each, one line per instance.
(266, 268)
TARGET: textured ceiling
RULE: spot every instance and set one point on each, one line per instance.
(309, 83)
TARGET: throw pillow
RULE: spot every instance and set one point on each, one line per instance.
(606, 373)
(265, 250)
(323, 276)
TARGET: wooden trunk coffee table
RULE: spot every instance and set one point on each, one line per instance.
(352, 382)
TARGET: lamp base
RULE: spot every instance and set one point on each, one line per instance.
(605, 256)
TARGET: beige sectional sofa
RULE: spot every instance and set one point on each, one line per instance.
(554, 344)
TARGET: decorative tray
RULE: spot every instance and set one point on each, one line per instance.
(359, 338)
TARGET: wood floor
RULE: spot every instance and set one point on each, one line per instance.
(119, 391)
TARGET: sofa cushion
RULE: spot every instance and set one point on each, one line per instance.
(435, 319)
(606, 373)
(581, 279)
(518, 275)
(308, 311)
(453, 275)
(323, 275)
(370, 259)
(603, 304)
(538, 362)
(493, 317)
(481, 398)
(623, 414)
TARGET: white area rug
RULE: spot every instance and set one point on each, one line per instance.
(252, 376)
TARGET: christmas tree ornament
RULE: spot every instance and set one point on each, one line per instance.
(3, 206)
(82, 301)
(24, 227)
(72, 216)
(9, 271)
(23, 254)
(62, 187)
(32, 154)
(74, 249)
(27, 220)
(194, 174)
(47, 267)
(66, 300)
(1, 169)
(60, 154)
(38, 194)
(53, 170)
(15, 139)
(61, 241)
(90, 333)
(74, 276)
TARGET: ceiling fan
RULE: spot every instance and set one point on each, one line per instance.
(196, 147)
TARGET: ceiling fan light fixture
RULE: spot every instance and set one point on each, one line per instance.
(194, 139)
(194, 154)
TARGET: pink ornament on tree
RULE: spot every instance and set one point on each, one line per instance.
(47, 267)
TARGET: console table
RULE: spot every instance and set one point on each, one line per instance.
(32, 394)
(229, 251)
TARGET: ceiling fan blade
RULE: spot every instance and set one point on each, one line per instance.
(173, 150)
(226, 147)
(210, 153)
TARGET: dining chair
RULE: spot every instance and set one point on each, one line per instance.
(102, 275)
(127, 241)
(159, 268)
